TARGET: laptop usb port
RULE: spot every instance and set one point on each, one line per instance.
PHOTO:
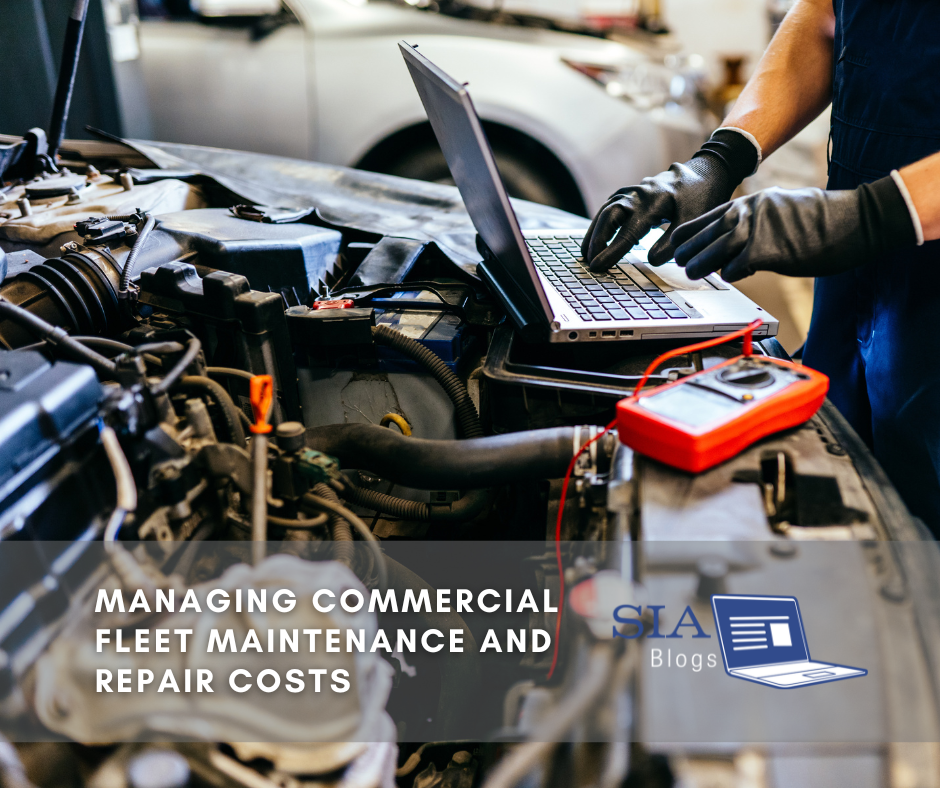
(626, 332)
(608, 333)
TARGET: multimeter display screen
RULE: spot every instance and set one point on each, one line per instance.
(692, 406)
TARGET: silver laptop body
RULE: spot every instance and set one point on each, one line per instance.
(538, 274)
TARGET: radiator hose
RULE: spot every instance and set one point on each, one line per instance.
(493, 461)
(472, 464)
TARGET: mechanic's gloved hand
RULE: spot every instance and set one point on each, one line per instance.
(799, 232)
(678, 195)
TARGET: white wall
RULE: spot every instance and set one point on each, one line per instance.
(710, 28)
(713, 28)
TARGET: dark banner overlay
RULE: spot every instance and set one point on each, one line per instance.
(424, 641)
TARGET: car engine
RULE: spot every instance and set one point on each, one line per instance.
(155, 320)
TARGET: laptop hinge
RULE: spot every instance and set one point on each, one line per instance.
(530, 323)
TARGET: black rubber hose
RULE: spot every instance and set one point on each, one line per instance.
(354, 520)
(55, 336)
(188, 357)
(304, 524)
(146, 350)
(131, 260)
(461, 677)
(158, 348)
(471, 504)
(228, 372)
(492, 461)
(343, 547)
(466, 413)
(104, 344)
(200, 386)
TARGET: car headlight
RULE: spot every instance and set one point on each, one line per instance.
(647, 83)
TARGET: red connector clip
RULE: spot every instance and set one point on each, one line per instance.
(339, 303)
(261, 393)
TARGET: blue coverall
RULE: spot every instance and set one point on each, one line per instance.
(875, 329)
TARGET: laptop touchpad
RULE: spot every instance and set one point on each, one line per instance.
(818, 674)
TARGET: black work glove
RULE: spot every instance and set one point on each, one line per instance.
(799, 232)
(678, 195)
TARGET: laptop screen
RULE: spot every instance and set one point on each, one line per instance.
(473, 166)
(759, 630)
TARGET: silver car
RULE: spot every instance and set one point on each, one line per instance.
(571, 117)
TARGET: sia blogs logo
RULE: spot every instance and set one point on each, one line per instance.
(762, 640)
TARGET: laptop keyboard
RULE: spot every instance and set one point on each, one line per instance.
(620, 294)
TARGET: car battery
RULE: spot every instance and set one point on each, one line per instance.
(344, 377)
(440, 332)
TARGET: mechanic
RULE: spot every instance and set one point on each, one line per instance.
(870, 239)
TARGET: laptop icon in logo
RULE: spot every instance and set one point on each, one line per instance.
(762, 640)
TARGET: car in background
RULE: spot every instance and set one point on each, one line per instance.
(571, 116)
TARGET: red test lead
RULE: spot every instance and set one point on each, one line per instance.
(705, 418)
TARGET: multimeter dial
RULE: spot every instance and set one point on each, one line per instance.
(744, 381)
(747, 374)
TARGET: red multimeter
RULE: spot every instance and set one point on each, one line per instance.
(707, 418)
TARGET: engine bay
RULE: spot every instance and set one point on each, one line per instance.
(140, 304)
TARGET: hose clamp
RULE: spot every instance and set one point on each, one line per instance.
(587, 459)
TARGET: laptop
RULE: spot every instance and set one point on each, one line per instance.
(539, 276)
(762, 640)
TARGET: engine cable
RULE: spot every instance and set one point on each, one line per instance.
(58, 338)
(171, 377)
(464, 410)
(362, 529)
(131, 261)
